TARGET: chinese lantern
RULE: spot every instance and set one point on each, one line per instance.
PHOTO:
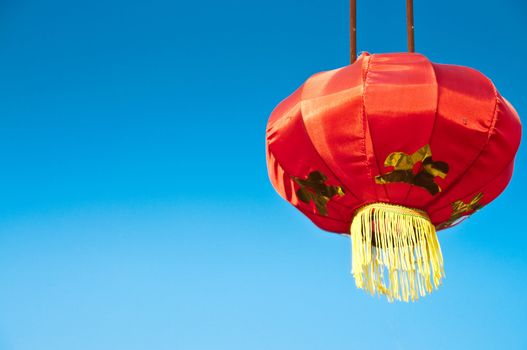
(391, 149)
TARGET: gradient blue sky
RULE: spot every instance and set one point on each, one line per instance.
(135, 209)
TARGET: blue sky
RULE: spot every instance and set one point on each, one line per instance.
(135, 209)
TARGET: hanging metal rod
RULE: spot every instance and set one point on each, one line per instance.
(353, 28)
(410, 25)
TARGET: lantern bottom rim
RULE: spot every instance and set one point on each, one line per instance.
(398, 208)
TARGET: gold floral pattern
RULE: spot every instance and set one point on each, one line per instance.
(403, 169)
(461, 209)
(314, 188)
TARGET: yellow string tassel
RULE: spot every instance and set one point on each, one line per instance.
(403, 242)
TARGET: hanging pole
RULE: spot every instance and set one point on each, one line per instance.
(353, 30)
(410, 25)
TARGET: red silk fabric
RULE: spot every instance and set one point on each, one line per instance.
(344, 123)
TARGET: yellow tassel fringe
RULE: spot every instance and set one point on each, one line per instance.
(402, 241)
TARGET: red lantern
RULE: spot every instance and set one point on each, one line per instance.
(392, 148)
